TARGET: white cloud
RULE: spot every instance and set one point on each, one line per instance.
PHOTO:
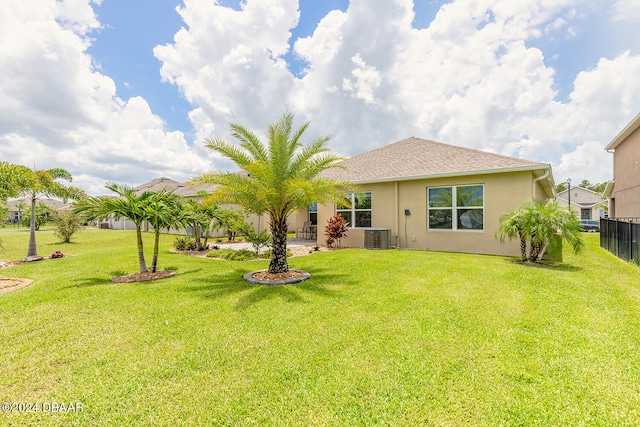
(472, 77)
(229, 63)
(364, 80)
(625, 10)
(57, 110)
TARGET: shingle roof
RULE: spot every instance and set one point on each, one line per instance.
(52, 203)
(414, 158)
(190, 191)
(179, 188)
(159, 184)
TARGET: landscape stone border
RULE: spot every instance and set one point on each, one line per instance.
(303, 276)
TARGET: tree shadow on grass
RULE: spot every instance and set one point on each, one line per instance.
(61, 243)
(226, 284)
(218, 285)
(88, 282)
(549, 266)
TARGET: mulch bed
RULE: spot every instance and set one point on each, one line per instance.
(8, 284)
(144, 277)
(265, 275)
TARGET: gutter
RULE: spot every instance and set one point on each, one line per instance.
(454, 174)
(544, 176)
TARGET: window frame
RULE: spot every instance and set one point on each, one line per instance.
(454, 208)
(353, 210)
(313, 213)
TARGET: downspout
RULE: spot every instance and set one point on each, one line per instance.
(535, 181)
(533, 191)
(397, 215)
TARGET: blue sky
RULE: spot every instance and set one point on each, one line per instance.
(138, 84)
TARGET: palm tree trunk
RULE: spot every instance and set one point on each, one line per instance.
(535, 250)
(33, 249)
(278, 262)
(196, 235)
(543, 249)
(143, 264)
(523, 248)
(154, 261)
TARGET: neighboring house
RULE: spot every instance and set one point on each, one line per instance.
(623, 192)
(586, 204)
(154, 185)
(157, 184)
(433, 196)
(17, 207)
(182, 189)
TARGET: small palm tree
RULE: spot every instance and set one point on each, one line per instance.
(128, 205)
(537, 222)
(163, 210)
(277, 178)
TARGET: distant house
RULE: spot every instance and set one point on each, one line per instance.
(623, 192)
(585, 203)
(434, 196)
(155, 185)
(196, 192)
(16, 208)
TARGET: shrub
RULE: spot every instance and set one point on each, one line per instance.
(335, 230)
(67, 224)
(56, 254)
(184, 243)
(232, 255)
(258, 240)
(219, 253)
(242, 255)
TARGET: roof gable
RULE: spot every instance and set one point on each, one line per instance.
(585, 196)
(624, 133)
(414, 158)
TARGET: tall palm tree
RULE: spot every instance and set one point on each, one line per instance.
(537, 222)
(128, 204)
(33, 184)
(277, 178)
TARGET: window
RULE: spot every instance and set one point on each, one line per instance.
(456, 208)
(356, 209)
(313, 213)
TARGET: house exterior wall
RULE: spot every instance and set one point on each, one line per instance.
(626, 172)
(502, 193)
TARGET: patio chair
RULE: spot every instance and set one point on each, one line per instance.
(304, 231)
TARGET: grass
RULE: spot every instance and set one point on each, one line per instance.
(374, 338)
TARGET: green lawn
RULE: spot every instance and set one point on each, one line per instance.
(374, 338)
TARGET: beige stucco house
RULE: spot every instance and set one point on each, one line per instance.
(433, 196)
(623, 192)
(586, 204)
